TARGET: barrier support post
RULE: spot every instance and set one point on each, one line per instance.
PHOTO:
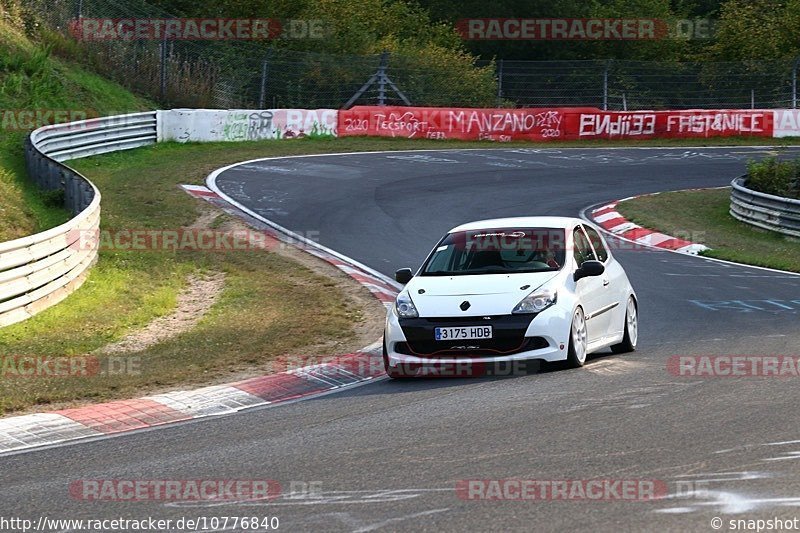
(499, 82)
(163, 73)
(262, 97)
(382, 78)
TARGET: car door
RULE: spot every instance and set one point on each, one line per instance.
(590, 289)
(614, 284)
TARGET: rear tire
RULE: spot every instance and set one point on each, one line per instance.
(576, 353)
(631, 336)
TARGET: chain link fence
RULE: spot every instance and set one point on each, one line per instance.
(264, 74)
(237, 73)
(632, 85)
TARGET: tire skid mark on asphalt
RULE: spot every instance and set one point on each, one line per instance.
(378, 525)
(784, 455)
(612, 366)
(728, 502)
(632, 398)
(718, 477)
(337, 497)
(719, 339)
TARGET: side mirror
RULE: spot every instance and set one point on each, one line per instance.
(403, 275)
(589, 269)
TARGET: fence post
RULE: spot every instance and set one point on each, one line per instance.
(87, 195)
(163, 74)
(794, 83)
(605, 85)
(79, 9)
(499, 82)
(752, 98)
(382, 78)
(264, 73)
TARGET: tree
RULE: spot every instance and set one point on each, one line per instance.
(758, 29)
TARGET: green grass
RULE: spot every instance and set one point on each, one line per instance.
(31, 79)
(704, 216)
(270, 306)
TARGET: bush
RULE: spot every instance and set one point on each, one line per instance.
(54, 199)
(770, 176)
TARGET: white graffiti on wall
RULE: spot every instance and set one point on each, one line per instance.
(787, 123)
(401, 123)
(513, 121)
(248, 126)
(724, 121)
(671, 124)
(206, 125)
(597, 125)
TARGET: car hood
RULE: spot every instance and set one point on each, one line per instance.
(487, 294)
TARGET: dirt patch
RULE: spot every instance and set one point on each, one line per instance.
(202, 291)
(372, 313)
(194, 301)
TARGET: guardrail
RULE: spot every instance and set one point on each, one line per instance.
(766, 211)
(39, 271)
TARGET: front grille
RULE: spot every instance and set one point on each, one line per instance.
(508, 337)
(530, 343)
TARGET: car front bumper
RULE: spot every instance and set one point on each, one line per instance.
(543, 337)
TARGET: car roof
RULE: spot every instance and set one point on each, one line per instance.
(519, 222)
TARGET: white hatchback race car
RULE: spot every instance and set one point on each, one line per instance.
(512, 289)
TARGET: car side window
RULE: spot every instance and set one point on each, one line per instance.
(582, 250)
(597, 244)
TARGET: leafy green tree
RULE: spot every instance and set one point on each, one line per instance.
(758, 29)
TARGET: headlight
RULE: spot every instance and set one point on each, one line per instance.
(536, 302)
(405, 307)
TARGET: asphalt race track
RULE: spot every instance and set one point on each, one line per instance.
(387, 456)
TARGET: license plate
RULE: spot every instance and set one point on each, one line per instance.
(463, 333)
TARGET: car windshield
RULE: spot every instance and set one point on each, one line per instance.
(498, 251)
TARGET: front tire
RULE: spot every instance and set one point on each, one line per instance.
(578, 340)
(631, 336)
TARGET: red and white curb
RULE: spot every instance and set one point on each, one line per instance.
(25, 432)
(45, 429)
(612, 221)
